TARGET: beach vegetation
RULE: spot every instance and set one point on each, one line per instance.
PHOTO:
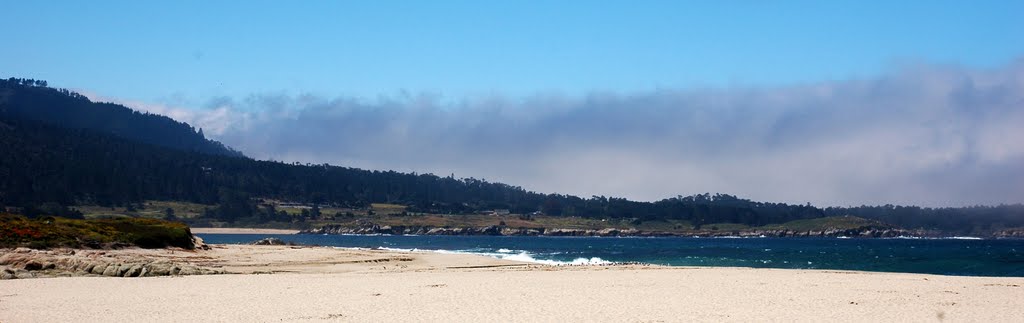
(52, 232)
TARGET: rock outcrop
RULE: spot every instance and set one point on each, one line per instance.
(271, 242)
(29, 263)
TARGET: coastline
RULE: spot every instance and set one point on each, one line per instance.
(242, 231)
(278, 283)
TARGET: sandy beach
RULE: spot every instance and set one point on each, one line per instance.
(301, 284)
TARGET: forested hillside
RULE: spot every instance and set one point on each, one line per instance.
(49, 164)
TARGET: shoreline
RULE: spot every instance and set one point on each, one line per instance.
(242, 231)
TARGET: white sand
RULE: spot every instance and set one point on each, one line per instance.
(360, 285)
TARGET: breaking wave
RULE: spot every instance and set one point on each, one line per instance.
(514, 255)
(527, 257)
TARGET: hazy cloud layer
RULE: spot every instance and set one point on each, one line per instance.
(928, 135)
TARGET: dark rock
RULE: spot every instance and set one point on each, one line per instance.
(271, 242)
(492, 230)
(33, 266)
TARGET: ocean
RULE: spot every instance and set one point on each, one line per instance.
(950, 256)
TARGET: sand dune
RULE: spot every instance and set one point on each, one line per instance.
(318, 284)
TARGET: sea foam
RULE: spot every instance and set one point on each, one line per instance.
(527, 257)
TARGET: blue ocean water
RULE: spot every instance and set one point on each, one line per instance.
(933, 256)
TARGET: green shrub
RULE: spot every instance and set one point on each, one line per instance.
(50, 232)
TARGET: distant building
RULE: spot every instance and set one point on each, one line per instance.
(501, 212)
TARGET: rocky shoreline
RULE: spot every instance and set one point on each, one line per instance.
(865, 232)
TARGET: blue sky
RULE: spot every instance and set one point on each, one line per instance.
(828, 102)
(197, 49)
